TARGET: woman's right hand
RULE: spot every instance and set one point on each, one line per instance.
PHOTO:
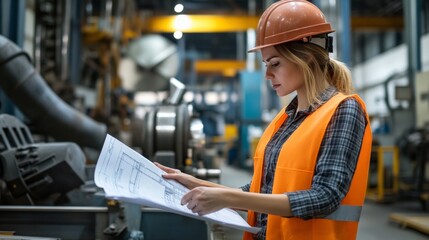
(187, 180)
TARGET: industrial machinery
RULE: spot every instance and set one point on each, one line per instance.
(413, 146)
(51, 181)
(171, 134)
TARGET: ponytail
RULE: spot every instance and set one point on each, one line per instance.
(339, 76)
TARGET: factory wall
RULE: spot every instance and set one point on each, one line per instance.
(376, 70)
(369, 77)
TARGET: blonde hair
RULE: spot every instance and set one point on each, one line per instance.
(318, 69)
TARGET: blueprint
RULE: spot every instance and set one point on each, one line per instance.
(126, 175)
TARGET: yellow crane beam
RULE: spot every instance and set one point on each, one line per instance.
(224, 67)
(376, 23)
(233, 23)
(199, 23)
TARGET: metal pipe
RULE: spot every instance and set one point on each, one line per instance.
(49, 113)
(89, 209)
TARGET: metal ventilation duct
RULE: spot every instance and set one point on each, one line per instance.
(49, 113)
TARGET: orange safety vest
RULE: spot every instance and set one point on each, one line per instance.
(295, 170)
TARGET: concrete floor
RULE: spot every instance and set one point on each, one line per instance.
(374, 224)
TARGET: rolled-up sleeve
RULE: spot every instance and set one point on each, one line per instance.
(245, 188)
(336, 163)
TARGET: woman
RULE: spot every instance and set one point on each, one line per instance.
(311, 164)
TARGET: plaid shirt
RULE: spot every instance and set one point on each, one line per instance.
(335, 166)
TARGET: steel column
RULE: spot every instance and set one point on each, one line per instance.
(345, 31)
(75, 46)
(12, 19)
(412, 36)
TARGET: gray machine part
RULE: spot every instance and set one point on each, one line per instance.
(35, 171)
(156, 60)
(62, 222)
(49, 113)
(40, 170)
(167, 134)
(164, 134)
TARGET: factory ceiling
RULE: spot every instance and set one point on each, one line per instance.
(380, 8)
(201, 6)
(366, 15)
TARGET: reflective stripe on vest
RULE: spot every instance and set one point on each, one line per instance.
(346, 213)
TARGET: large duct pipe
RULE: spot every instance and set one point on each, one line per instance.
(49, 113)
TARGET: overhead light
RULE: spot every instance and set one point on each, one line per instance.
(182, 22)
(177, 34)
(178, 8)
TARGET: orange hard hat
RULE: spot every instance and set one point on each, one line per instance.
(289, 20)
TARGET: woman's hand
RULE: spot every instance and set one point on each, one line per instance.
(205, 200)
(204, 197)
(183, 178)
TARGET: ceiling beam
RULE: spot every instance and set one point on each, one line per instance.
(362, 23)
(234, 23)
(199, 23)
(224, 67)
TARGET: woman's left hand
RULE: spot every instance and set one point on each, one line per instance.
(205, 200)
(183, 178)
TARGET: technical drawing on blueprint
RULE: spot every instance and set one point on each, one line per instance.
(126, 175)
